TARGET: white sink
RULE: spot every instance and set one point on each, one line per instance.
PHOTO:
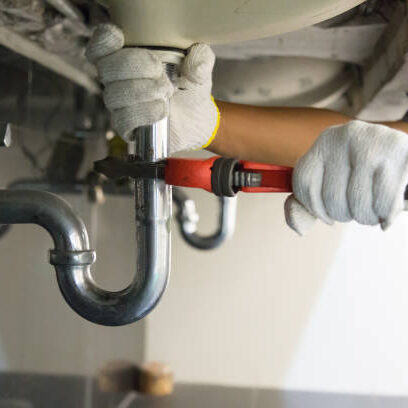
(180, 23)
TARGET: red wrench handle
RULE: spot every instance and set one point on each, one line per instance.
(275, 179)
(197, 174)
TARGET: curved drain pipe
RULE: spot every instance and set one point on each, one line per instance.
(72, 257)
(188, 218)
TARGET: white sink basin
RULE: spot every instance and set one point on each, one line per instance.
(180, 23)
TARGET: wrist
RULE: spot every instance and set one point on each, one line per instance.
(402, 126)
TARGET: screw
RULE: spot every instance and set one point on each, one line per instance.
(5, 134)
(247, 179)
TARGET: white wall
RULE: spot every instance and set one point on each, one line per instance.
(324, 312)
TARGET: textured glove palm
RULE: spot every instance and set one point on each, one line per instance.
(138, 92)
(357, 171)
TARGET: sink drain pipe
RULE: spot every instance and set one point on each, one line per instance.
(72, 257)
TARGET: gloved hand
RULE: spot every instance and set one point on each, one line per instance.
(356, 171)
(138, 92)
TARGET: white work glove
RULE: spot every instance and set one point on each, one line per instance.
(357, 171)
(138, 92)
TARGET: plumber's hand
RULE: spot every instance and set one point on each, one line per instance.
(138, 93)
(355, 172)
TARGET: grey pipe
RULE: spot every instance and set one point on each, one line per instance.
(67, 9)
(73, 14)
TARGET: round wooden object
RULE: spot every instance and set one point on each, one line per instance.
(155, 379)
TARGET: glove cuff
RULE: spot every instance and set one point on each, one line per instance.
(217, 126)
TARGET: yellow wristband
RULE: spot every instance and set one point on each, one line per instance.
(211, 139)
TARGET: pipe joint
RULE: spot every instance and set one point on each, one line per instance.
(72, 258)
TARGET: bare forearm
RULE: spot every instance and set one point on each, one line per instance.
(274, 135)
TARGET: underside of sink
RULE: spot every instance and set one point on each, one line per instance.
(180, 23)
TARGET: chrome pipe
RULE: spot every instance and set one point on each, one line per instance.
(50, 212)
(152, 216)
(188, 218)
(72, 257)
